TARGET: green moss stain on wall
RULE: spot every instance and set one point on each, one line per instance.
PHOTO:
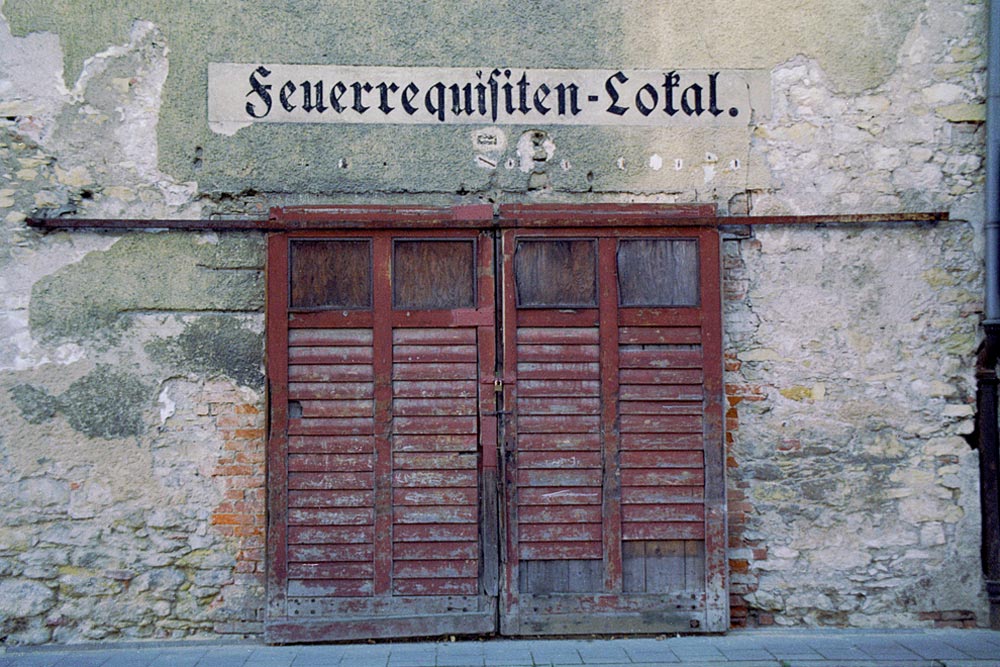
(143, 273)
(106, 403)
(214, 344)
(351, 159)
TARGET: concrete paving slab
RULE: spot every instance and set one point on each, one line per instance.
(933, 648)
(602, 653)
(652, 655)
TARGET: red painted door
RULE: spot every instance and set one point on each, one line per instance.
(399, 506)
(613, 492)
(382, 474)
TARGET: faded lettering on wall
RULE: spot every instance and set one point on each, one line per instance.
(241, 94)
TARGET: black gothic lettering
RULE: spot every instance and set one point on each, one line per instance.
(261, 90)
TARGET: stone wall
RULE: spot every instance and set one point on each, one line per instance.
(131, 365)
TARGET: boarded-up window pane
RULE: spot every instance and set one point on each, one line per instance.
(331, 274)
(658, 272)
(434, 275)
(556, 274)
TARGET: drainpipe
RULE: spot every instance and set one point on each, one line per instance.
(986, 367)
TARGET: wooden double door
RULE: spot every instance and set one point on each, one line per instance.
(481, 427)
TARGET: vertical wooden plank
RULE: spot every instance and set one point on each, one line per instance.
(277, 445)
(382, 370)
(509, 620)
(583, 576)
(611, 482)
(634, 567)
(665, 562)
(716, 565)
(694, 564)
(489, 407)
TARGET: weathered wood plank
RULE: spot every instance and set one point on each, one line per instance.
(528, 514)
(662, 477)
(349, 498)
(559, 424)
(557, 353)
(434, 336)
(661, 359)
(557, 371)
(333, 516)
(559, 441)
(330, 534)
(442, 514)
(435, 389)
(452, 532)
(663, 531)
(558, 496)
(664, 459)
(330, 480)
(330, 462)
(562, 460)
(557, 388)
(450, 371)
(664, 392)
(308, 553)
(330, 372)
(337, 408)
(331, 426)
(435, 569)
(542, 577)
(658, 405)
(330, 587)
(331, 444)
(453, 496)
(434, 586)
(435, 550)
(298, 391)
(327, 337)
(661, 376)
(654, 513)
(330, 355)
(433, 478)
(662, 424)
(435, 443)
(436, 354)
(434, 425)
(556, 335)
(434, 461)
(340, 570)
(660, 441)
(665, 495)
(694, 565)
(451, 406)
(659, 335)
(558, 406)
(550, 532)
(538, 477)
(665, 566)
(559, 550)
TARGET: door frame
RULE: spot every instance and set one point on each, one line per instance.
(354, 219)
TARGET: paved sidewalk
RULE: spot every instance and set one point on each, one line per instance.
(757, 648)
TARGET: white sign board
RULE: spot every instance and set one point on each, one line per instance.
(246, 93)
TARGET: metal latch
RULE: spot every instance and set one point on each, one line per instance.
(498, 385)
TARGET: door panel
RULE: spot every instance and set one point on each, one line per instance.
(383, 439)
(614, 503)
